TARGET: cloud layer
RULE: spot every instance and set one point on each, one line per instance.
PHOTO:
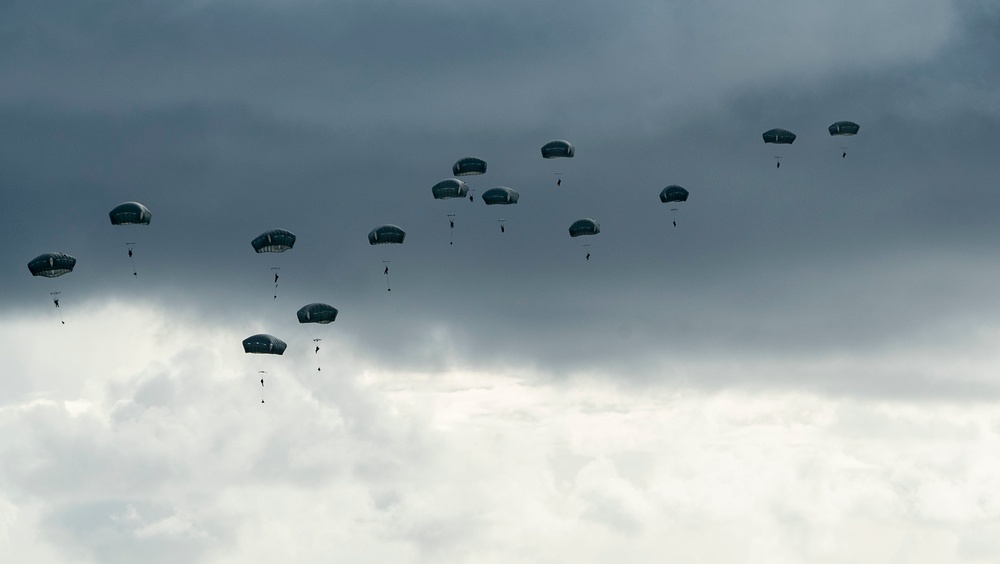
(802, 370)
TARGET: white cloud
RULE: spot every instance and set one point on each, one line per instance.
(169, 451)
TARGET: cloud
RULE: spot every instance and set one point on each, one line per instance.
(176, 455)
(807, 358)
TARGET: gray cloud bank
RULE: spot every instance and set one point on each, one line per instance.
(329, 120)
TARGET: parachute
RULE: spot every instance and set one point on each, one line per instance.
(501, 195)
(51, 265)
(558, 148)
(780, 137)
(386, 234)
(585, 226)
(450, 188)
(673, 193)
(844, 128)
(274, 241)
(263, 343)
(317, 313)
(447, 189)
(130, 213)
(469, 166)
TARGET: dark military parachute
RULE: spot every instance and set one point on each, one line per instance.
(673, 193)
(844, 128)
(317, 313)
(500, 195)
(130, 213)
(585, 226)
(51, 265)
(274, 241)
(779, 136)
(469, 166)
(264, 344)
(558, 148)
(450, 188)
(386, 234)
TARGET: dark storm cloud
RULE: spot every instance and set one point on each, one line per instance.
(353, 63)
(329, 121)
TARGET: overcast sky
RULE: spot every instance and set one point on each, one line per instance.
(804, 369)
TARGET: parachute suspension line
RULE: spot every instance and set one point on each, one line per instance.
(318, 369)
(130, 245)
(674, 211)
(843, 153)
(275, 269)
(388, 288)
(587, 246)
(502, 228)
(55, 300)
(451, 222)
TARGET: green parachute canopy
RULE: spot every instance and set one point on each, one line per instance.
(469, 166)
(264, 344)
(501, 195)
(130, 213)
(779, 136)
(274, 241)
(585, 226)
(844, 128)
(450, 188)
(317, 313)
(51, 265)
(386, 234)
(673, 193)
(558, 149)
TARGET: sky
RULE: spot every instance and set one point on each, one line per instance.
(803, 369)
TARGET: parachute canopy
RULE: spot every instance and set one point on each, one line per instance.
(264, 344)
(130, 213)
(557, 148)
(450, 188)
(500, 195)
(844, 128)
(673, 193)
(585, 226)
(274, 241)
(386, 234)
(469, 166)
(779, 136)
(51, 265)
(317, 313)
